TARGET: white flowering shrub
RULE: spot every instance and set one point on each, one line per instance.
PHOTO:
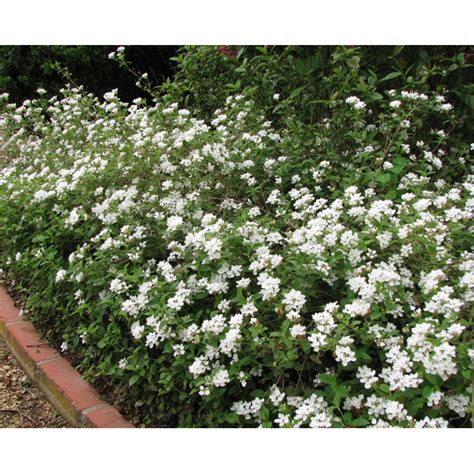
(222, 274)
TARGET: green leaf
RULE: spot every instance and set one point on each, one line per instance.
(434, 379)
(399, 165)
(391, 75)
(424, 56)
(134, 379)
(298, 91)
(374, 96)
(341, 390)
(427, 391)
(360, 422)
(354, 62)
(415, 405)
(363, 356)
(467, 374)
(392, 194)
(383, 178)
(102, 343)
(328, 379)
(232, 418)
(397, 50)
(285, 325)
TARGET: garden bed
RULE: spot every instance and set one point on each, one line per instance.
(74, 398)
(250, 268)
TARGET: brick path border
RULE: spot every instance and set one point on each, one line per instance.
(70, 394)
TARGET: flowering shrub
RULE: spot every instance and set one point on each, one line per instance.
(305, 77)
(222, 274)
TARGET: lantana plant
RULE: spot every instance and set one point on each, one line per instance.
(220, 274)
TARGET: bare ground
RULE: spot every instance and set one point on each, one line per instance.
(23, 405)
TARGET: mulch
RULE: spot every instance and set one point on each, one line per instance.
(22, 405)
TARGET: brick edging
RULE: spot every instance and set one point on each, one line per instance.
(70, 394)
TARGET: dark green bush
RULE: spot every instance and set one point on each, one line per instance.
(304, 76)
(24, 69)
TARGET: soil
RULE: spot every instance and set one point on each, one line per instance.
(22, 405)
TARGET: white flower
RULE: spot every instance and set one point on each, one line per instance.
(243, 283)
(221, 378)
(434, 399)
(353, 403)
(343, 353)
(294, 300)
(321, 420)
(358, 307)
(282, 419)
(355, 102)
(427, 422)
(215, 325)
(445, 107)
(174, 223)
(254, 212)
(199, 366)
(276, 395)
(178, 350)
(137, 330)
(229, 344)
(430, 281)
(366, 376)
(270, 286)
(317, 340)
(213, 248)
(118, 286)
(458, 403)
(60, 275)
(297, 330)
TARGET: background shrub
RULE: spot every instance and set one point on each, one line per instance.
(305, 76)
(24, 69)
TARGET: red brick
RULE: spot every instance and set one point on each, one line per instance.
(59, 377)
(64, 387)
(106, 417)
(123, 423)
(25, 338)
(5, 300)
(8, 312)
(4, 295)
(26, 346)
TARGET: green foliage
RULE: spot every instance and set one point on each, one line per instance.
(307, 78)
(24, 69)
(295, 260)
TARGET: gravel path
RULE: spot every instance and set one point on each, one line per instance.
(22, 405)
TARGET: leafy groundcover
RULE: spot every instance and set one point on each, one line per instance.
(246, 270)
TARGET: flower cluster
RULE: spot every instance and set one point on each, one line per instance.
(214, 262)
